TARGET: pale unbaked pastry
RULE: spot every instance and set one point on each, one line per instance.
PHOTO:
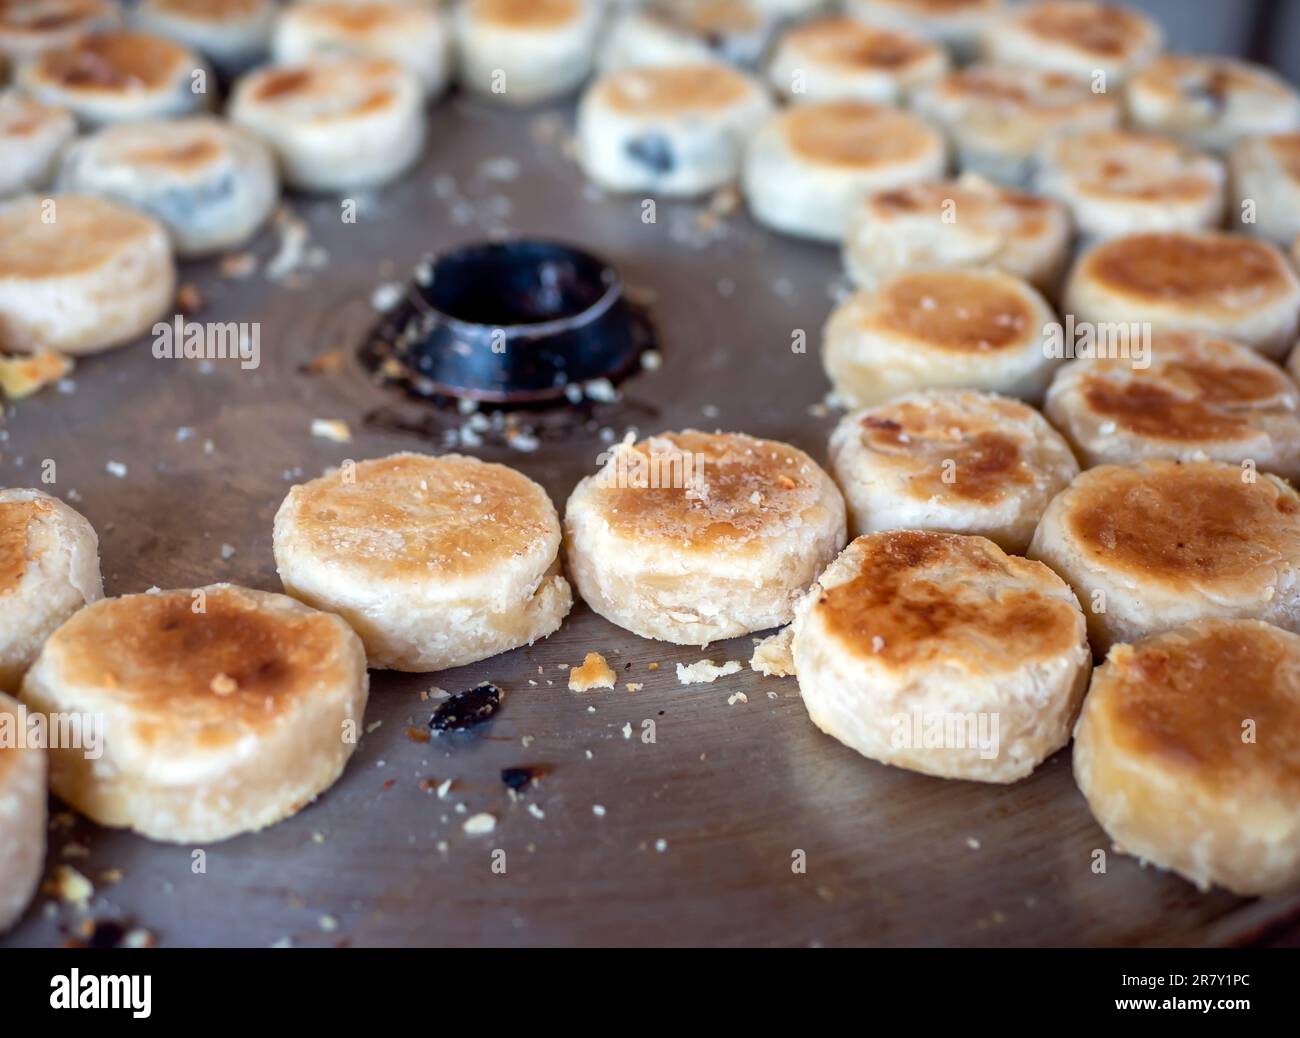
(1211, 102)
(49, 568)
(335, 123)
(23, 796)
(31, 137)
(1221, 284)
(978, 329)
(436, 562)
(1000, 119)
(212, 184)
(952, 460)
(416, 37)
(807, 169)
(677, 32)
(956, 23)
(1100, 44)
(968, 222)
(1186, 751)
(841, 59)
(521, 52)
(1265, 173)
(1125, 181)
(1195, 397)
(115, 76)
(80, 274)
(941, 654)
(674, 130)
(225, 710)
(693, 537)
(233, 34)
(29, 27)
(1153, 546)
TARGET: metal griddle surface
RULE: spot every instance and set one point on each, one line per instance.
(733, 791)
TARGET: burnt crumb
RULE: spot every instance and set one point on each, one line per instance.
(654, 151)
(520, 778)
(99, 933)
(466, 709)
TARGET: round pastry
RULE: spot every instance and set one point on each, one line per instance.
(942, 654)
(841, 59)
(49, 568)
(224, 710)
(1151, 547)
(694, 537)
(520, 52)
(435, 562)
(31, 137)
(1266, 186)
(958, 24)
(672, 130)
(685, 32)
(810, 166)
(951, 460)
(335, 123)
(79, 275)
(1100, 44)
(978, 329)
(968, 222)
(1211, 102)
(115, 76)
(23, 796)
(1196, 397)
(415, 37)
(1123, 181)
(1221, 284)
(1000, 119)
(211, 184)
(233, 34)
(1186, 750)
(31, 27)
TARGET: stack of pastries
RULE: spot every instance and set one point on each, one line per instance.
(1070, 425)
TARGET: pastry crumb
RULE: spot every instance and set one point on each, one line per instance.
(480, 824)
(772, 656)
(23, 376)
(705, 671)
(594, 673)
(331, 429)
(69, 885)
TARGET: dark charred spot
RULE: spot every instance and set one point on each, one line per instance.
(466, 709)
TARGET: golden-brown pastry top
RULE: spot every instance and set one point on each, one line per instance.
(215, 11)
(532, 15)
(216, 663)
(979, 205)
(1105, 31)
(114, 62)
(700, 492)
(851, 46)
(1208, 270)
(1197, 388)
(955, 311)
(415, 517)
(16, 521)
(670, 89)
(1135, 166)
(856, 134)
(914, 598)
(1185, 525)
(962, 445)
(66, 235)
(1216, 702)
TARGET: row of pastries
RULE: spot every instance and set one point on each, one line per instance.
(1143, 515)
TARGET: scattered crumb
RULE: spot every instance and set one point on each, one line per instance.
(772, 657)
(327, 363)
(23, 376)
(480, 824)
(737, 697)
(116, 468)
(536, 812)
(635, 686)
(705, 671)
(227, 552)
(328, 923)
(223, 685)
(69, 885)
(331, 429)
(598, 810)
(238, 265)
(444, 788)
(661, 845)
(972, 843)
(652, 666)
(627, 730)
(189, 300)
(594, 673)
(139, 938)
